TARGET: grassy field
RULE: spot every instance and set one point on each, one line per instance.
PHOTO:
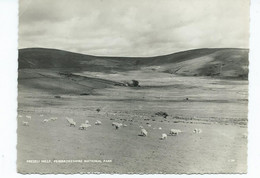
(217, 106)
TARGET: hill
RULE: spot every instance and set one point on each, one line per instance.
(217, 62)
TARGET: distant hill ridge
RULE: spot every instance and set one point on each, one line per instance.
(217, 62)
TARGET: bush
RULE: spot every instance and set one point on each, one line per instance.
(161, 113)
(135, 83)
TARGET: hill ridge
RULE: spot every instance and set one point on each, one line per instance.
(216, 62)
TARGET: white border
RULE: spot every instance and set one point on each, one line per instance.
(8, 95)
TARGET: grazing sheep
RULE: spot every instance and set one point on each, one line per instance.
(124, 125)
(98, 122)
(114, 123)
(197, 130)
(86, 122)
(28, 117)
(174, 132)
(53, 118)
(164, 136)
(46, 120)
(71, 122)
(149, 125)
(117, 125)
(25, 123)
(20, 116)
(144, 132)
(160, 128)
(141, 127)
(231, 160)
(84, 126)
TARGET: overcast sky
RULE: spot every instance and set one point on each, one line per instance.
(133, 27)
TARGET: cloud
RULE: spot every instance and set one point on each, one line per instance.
(133, 28)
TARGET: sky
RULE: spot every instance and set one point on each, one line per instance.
(134, 28)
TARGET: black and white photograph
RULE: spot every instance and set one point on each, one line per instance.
(133, 87)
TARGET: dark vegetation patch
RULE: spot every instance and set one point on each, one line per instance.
(161, 113)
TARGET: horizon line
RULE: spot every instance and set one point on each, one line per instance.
(193, 49)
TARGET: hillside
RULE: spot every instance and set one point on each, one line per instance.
(222, 62)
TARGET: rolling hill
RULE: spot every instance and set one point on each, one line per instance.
(216, 62)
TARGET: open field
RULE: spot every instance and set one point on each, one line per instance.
(217, 106)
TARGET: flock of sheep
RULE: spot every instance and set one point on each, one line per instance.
(84, 126)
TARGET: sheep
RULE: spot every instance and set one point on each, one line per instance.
(124, 125)
(174, 132)
(160, 128)
(141, 127)
(25, 123)
(117, 125)
(197, 130)
(84, 126)
(86, 122)
(98, 122)
(20, 116)
(149, 125)
(114, 123)
(143, 133)
(71, 122)
(53, 118)
(46, 120)
(28, 117)
(164, 136)
(231, 160)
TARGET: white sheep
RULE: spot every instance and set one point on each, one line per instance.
(124, 125)
(71, 122)
(86, 122)
(160, 128)
(46, 120)
(28, 117)
(197, 130)
(98, 122)
(144, 132)
(20, 116)
(149, 125)
(84, 126)
(117, 125)
(25, 123)
(164, 136)
(114, 123)
(53, 118)
(174, 131)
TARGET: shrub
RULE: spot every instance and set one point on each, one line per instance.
(161, 113)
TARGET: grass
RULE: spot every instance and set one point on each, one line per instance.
(217, 106)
